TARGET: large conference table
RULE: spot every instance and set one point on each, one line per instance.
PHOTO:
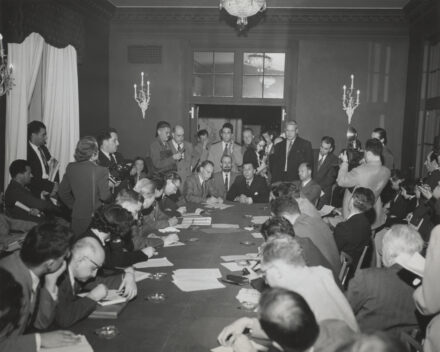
(185, 321)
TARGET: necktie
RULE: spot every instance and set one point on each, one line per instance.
(180, 149)
(34, 301)
(226, 150)
(320, 162)
(43, 157)
(248, 184)
(226, 183)
(290, 143)
(204, 189)
(112, 156)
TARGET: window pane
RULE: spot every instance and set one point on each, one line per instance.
(276, 64)
(224, 62)
(252, 87)
(224, 85)
(202, 85)
(253, 63)
(273, 87)
(203, 62)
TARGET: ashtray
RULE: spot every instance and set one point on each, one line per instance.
(247, 243)
(193, 239)
(107, 332)
(156, 297)
(243, 262)
(158, 276)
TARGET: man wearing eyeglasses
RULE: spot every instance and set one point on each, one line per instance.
(81, 275)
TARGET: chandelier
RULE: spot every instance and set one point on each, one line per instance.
(242, 9)
(142, 95)
(260, 61)
(6, 79)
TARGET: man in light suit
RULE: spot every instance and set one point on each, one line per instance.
(326, 169)
(223, 180)
(289, 154)
(226, 147)
(307, 187)
(371, 174)
(184, 150)
(198, 187)
(160, 150)
(40, 260)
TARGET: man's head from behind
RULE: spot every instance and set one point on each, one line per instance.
(108, 141)
(37, 133)
(287, 319)
(286, 207)
(287, 189)
(20, 171)
(129, 200)
(362, 199)
(276, 226)
(373, 149)
(305, 172)
(400, 240)
(45, 247)
(280, 257)
(87, 257)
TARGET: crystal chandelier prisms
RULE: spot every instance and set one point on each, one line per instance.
(242, 9)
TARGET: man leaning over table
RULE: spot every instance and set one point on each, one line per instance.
(198, 187)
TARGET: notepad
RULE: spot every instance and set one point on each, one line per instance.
(140, 275)
(197, 221)
(232, 266)
(189, 280)
(153, 263)
(82, 346)
(225, 226)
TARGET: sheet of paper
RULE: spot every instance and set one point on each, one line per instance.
(189, 280)
(194, 285)
(233, 258)
(215, 273)
(153, 263)
(326, 209)
(82, 346)
(113, 297)
(232, 266)
(257, 346)
(140, 275)
(183, 226)
(248, 295)
(173, 244)
(169, 230)
(225, 226)
(414, 263)
(249, 228)
(259, 220)
(257, 235)
(197, 220)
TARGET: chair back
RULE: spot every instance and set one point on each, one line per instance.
(346, 262)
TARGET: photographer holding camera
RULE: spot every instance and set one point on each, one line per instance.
(370, 174)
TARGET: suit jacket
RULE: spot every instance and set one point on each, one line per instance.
(72, 308)
(161, 155)
(84, 188)
(388, 157)
(216, 152)
(250, 155)
(381, 300)
(258, 189)
(320, 234)
(200, 154)
(106, 162)
(38, 184)
(184, 166)
(42, 315)
(193, 191)
(17, 193)
(326, 175)
(371, 175)
(218, 183)
(300, 152)
(353, 235)
(311, 191)
(433, 178)
(154, 218)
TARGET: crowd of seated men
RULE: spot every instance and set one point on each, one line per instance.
(83, 232)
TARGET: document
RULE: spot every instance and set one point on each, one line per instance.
(197, 221)
(113, 297)
(153, 263)
(169, 230)
(189, 280)
(233, 258)
(414, 263)
(259, 220)
(326, 210)
(140, 275)
(82, 346)
(257, 235)
(225, 226)
(232, 266)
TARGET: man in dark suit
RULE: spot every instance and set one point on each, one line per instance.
(326, 169)
(249, 148)
(249, 188)
(354, 234)
(289, 154)
(87, 258)
(37, 268)
(19, 200)
(161, 153)
(198, 187)
(223, 180)
(226, 146)
(307, 187)
(382, 298)
(40, 160)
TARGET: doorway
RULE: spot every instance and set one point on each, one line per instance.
(259, 118)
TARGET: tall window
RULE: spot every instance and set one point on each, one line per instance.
(213, 74)
(263, 75)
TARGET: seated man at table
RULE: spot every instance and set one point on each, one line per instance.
(19, 200)
(198, 187)
(354, 234)
(86, 259)
(305, 226)
(249, 188)
(169, 198)
(308, 188)
(223, 180)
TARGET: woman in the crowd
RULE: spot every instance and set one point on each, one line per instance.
(85, 185)
(138, 171)
(262, 157)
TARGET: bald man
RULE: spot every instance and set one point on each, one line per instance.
(187, 160)
(86, 259)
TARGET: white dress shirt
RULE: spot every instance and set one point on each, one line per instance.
(44, 174)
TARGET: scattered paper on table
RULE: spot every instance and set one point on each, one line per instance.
(173, 244)
(113, 297)
(169, 230)
(197, 221)
(249, 295)
(326, 209)
(183, 226)
(140, 275)
(82, 346)
(233, 258)
(225, 226)
(218, 206)
(259, 220)
(249, 228)
(232, 266)
(189, 280)
(257, 346)
(153, 263)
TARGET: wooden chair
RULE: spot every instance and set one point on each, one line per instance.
(346, 262)
(362, 259)
(411, 340)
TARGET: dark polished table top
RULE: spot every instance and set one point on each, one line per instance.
(186, 321)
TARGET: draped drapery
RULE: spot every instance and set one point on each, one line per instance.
(59, 99)
(25, 58)
(60, 102)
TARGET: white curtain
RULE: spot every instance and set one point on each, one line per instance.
(60, 102)
(25, 58)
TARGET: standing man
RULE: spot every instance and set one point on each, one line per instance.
(201, 149)
(161, 153)
(249, 148)
(40, 160)
(326, 169)
(184, 150)
(387, 155)
(223, 180)
(289, 154)
(226, 147)
(307, 187)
